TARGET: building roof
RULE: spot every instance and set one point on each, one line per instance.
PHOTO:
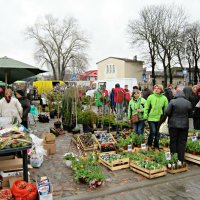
(124, 59)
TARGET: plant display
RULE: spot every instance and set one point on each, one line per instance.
(193, 146)
(151, 165)
(87, 140)
(112, 157)
(88, 169)
(69, 156)
(105, 147)
(87, 117)
(103, 137)
(164, 142)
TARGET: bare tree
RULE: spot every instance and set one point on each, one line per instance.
(193, 47)
(143, 32)
(58, 43)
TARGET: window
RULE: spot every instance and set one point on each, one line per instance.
(113, 69)
(110, 69)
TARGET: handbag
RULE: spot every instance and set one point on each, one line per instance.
(164, 127)
(134, 118)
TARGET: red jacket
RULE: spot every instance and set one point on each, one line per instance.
(119, 95)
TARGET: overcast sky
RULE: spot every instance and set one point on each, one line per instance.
(105, 21)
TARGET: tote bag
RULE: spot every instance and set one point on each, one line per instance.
(164, 127)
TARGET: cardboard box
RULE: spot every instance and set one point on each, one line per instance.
(49, 138)
(48, 196)
(50, 148)
(12, 164)
(7, 157)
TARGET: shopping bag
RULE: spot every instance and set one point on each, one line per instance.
(134, 118)
(164, 127)
(34, 110)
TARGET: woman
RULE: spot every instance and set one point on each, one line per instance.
(178, 113)
(136, 106)
(25, 103)
(196, 115)
(112, 102)
(10, 106)
(155, 106)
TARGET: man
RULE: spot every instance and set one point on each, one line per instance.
(127, 98)
(105, 99)
(178, 112)
(119, 99)
(25, 103)
(155, 106)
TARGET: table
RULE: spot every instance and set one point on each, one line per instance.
(24, 157)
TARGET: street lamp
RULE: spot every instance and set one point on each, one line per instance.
(144, 76)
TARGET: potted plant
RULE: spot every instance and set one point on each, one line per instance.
(69, 157)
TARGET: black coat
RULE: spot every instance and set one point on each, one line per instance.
(178, 112)
(26, 107)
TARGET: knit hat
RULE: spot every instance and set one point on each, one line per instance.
(21, 92)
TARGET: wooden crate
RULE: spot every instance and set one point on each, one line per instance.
(116, 164)
(148, 173)
(99, 144)
(90, 148)
(174, 171)
(192, 158)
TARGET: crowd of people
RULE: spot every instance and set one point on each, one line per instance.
(151, 105)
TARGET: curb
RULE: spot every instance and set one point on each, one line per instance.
(134, 186)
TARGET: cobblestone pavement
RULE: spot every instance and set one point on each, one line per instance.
(65, 187)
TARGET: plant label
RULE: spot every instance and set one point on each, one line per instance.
(143, 146)
(129, 147)
(194, 138)
(168, 155)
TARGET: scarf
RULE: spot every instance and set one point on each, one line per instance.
(7, 98)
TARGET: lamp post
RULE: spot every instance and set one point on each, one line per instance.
(144, 76)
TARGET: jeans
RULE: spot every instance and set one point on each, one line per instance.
(119, 108)
(178, 140)
(154, 134)
(105, 108)
(139, 127)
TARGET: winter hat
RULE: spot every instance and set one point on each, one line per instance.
(20, 92)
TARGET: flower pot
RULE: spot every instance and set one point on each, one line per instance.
(68, 163)
(52, 114)
(65, 126)
(57, 124)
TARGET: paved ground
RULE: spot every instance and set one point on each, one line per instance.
(123, 184)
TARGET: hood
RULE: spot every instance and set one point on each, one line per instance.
(180, 94)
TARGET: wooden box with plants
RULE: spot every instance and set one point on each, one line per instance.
(144, 166)
(114, 161)
(104, 139)
(87, 170)
(87, 142)
(193, 151)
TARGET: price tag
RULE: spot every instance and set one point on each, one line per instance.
(143, 146)
(194, 138)
(168, 155)
(129, 147)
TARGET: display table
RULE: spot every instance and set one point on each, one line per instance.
(24, 156)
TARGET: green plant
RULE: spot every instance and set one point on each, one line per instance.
(69, 156)
(87, 117)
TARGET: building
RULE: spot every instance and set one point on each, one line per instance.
(90, 75)
(114, 67)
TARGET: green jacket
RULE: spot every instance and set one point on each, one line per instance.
(155, 105)
(134, 105)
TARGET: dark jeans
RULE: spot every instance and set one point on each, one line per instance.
(196, 123)
(25, 124)
(139, 127)
(153, 135)
(178, 139)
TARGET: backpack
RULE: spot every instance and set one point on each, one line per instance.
(127, 96)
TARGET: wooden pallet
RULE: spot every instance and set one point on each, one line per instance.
(85, 148)
(122, 163)
(192, 158)
(148, 173)
(174, 171)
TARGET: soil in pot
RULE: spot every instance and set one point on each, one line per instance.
(57, 124)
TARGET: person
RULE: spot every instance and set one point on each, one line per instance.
(155, 106)
(119, 99)
(187, 91)
(146, 91)
(194, 99)
(43, 102)
(112, 103)
(10, 106)
(196, 114)
(98, 102)
(127, 98)
(104, 99)
(136, 106)
(169, 92)
(26, 105)
(178, 112)
(1, 92)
